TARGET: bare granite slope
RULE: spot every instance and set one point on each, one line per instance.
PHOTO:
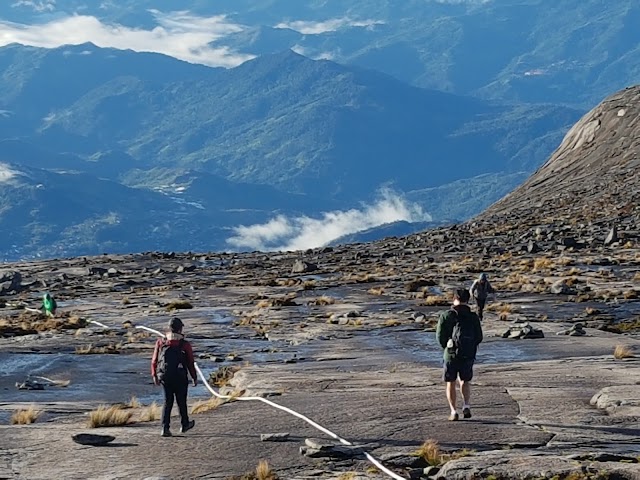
(594, 172)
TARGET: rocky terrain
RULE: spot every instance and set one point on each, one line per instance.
(345, 335)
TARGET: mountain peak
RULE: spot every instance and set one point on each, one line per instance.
(592, 176)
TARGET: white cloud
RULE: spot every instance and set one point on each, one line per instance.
(6, 173)
(300, 233)
(178, 34)
(332, 25)
(37, 5)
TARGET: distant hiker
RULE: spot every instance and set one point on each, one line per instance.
(172, 358)
(49, 305)
(459, 333)
(480, 290)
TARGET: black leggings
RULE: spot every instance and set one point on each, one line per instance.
(480, 302)
(175, 389)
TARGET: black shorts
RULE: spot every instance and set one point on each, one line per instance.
(458, 368)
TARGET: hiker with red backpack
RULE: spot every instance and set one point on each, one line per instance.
(459, 333)
(172, 359)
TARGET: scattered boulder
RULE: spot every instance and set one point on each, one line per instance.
(533, 247)
(30, 385)
(524, 332)
(319, 448)
(10, 281)
(561, 287)
(612, 236)
(92, 439)
(576, 330)
(185, 269)
(300, 266)
(274, 437)
(98, 271)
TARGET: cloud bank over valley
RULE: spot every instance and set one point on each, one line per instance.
(300, 233)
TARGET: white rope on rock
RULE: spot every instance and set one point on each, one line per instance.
(100, 324)
(369, 457)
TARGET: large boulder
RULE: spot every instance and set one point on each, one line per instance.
(10, 282)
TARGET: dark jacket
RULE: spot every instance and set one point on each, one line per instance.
(174, 340)
(447, 321)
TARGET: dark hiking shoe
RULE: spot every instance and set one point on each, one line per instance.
(466, 412)
(166, 432)
(188, 426)
(453, 417)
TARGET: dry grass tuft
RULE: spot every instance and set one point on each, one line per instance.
(376, 291)
(25, 416)
(203, 406)
(429, 451)
(179, 305)
(622, 351)
(110, 349)
(500, 307)
(222, 376)
(592, 311)
(362, 278)
(28, 323)
(309, 285)
(134, 402)
(348, 476)
(437, 300)
(543, 263)
(323, 300)
(631, 295)
(288, 282)
(276, 302)
(264, 472)
(392, 322)
(151, 413)
(105, 416)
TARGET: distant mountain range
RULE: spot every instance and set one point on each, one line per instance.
(567, 51)
(448, 104)
(280, 133)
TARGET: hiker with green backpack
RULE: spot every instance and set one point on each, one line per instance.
(49, 305)
(172, 359)
(459, 333)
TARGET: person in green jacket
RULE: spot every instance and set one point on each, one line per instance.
(49, 305)
(459, 333)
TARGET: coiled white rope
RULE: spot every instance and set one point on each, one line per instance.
(369, 457)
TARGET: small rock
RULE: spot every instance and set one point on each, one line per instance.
(92, 439)
(612, 237)
(560, 287)
(431, 471)
(300, 266)
(29, 385)
(533, 247)
(10, 281)
(274, 437)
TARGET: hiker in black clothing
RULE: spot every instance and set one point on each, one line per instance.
(459, 333)
(172, 358)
